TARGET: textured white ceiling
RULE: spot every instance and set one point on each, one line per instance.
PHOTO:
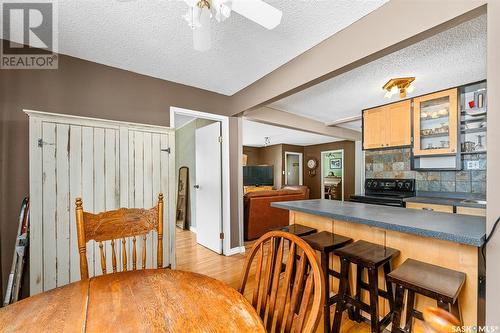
(254, 134)
(451, 58)
(150, 37)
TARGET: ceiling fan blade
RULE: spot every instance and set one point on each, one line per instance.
(258, 11)
(202, 40)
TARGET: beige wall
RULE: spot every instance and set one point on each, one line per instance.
(81, 88)
(314, 182)
(493, 168)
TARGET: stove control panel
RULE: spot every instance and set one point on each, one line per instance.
(390, 185)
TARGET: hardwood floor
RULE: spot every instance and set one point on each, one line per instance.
(193, 257)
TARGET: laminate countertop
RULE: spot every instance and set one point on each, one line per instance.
(463, 229)
(449, 199)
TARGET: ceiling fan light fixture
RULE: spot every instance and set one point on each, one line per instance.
(192, 17)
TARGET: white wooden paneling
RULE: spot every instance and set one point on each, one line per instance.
(124, 181)
(99, 189)
(88, 184)
(49, 206)
(139, 183)
(148, 192)
(36, 208)
(75, 189)
(112, 190)
(108, 165)
(156, 163)
(62, 204)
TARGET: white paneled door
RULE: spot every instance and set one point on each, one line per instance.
(208, 187)
(110, 165)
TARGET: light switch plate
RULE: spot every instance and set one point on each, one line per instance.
(472, 165)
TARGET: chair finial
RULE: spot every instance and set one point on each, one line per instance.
(160, 197)
(79, 202)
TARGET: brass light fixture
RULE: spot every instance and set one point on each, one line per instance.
(401, 85)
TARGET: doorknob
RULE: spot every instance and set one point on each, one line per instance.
(196, 187)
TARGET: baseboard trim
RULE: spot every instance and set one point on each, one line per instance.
(192, 229)
(235, 250)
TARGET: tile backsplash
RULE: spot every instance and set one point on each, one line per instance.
(395, 163)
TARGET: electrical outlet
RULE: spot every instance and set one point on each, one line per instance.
(472, 165)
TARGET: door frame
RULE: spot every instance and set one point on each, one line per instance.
(226, 194)
(301, 170)
(343, 168)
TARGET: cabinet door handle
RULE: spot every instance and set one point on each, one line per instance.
(427, 208)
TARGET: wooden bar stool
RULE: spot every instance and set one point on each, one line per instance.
(325, 242)
(368, 256)
(297, 229)
(442, 284)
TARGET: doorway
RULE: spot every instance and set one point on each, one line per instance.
(209, 175)
(332, 174)
(293, 169)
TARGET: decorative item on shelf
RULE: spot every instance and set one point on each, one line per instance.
(400, 85)
(468, 146)
(312, 164)
(336, 163)
(479, 146)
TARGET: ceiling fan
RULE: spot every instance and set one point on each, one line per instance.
(200, 12)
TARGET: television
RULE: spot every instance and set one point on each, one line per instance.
(258, 175)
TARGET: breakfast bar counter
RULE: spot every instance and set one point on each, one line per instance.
(447, 240)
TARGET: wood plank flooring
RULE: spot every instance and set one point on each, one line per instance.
(193, 257)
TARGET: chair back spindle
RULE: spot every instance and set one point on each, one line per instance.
(287, 292)
(118, 225)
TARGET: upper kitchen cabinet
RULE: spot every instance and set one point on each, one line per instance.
(387, 126)
(436, 123)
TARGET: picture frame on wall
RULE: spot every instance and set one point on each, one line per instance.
(336, 163)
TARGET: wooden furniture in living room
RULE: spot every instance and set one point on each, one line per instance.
(151, 300)
(115, 226)
(295, 301)
(250, 189)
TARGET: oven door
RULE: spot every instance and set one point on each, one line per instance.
(382, 201)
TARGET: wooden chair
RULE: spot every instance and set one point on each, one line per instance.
(282, 303)
(117, 225)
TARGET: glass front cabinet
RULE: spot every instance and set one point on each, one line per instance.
(436, 123)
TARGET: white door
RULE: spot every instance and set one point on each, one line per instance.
(109, 165)
(208, 187)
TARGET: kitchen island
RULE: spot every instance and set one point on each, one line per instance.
(447, 240)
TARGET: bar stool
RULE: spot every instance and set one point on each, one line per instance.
(325, 242)
(297, 229)
(368, 256)
(442, 284)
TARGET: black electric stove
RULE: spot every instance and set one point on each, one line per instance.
(386, 192)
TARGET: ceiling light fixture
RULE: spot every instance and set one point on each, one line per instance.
(402, 85)
(200, 13)
(267, 141)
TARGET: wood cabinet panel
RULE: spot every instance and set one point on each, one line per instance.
(430, 207)
(399, 117)
(387, 126)
(471, 211)
(374, 128)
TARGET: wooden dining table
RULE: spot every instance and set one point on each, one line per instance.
(153, 300)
